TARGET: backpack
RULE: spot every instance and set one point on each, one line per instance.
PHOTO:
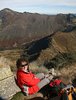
(66, 92)
(56, 87)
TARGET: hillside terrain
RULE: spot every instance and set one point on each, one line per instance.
(50, 40)
(60, 54)
(47, 41)
(19, 28)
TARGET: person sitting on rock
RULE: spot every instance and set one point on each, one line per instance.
(28, 82)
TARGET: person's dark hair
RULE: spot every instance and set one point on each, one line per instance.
(19, 62)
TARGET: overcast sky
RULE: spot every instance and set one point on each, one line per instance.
(40, 6)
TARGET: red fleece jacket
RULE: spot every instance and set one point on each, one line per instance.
(29, 79)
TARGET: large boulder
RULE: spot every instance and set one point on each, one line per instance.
(8, 86)
(5, 72)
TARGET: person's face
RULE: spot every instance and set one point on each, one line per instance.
(24, 66)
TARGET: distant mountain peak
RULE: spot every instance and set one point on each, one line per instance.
(7, 10)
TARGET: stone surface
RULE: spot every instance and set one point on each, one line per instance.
(8, 87)
(5, 72)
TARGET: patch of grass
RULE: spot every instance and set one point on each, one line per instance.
(11, 56)
(61, 60)
(37, 69)
(4, 62)
(68, 72)
(18, 96)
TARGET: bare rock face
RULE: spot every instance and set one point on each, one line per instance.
(8, 86)
(5, 72)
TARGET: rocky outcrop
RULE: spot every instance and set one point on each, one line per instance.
(8, 86)
(5, 72)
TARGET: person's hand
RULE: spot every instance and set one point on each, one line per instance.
(46, 75)
(52, 72)
(50, 77)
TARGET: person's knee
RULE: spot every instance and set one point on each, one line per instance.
(40, 75)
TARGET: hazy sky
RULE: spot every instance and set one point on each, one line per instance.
(40, 6)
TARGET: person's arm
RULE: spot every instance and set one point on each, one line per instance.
(30, 80)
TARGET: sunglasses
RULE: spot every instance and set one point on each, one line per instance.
(24, 65)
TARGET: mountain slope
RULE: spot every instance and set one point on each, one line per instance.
(18, 28)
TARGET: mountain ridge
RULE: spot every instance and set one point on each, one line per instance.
(18, 28)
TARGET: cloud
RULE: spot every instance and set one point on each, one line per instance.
(44, 6)
(38, 2)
